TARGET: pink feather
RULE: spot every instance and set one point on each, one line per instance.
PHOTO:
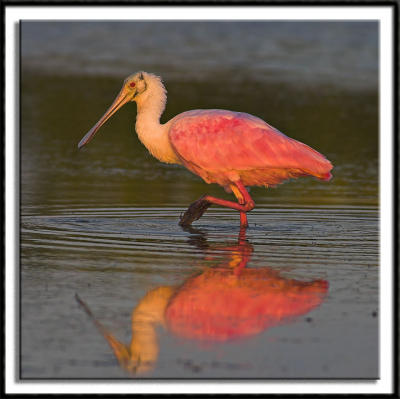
(224, 146)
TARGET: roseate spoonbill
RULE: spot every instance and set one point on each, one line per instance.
(226, 302)
(232, 149)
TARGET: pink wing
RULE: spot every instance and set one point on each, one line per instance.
(224, 146)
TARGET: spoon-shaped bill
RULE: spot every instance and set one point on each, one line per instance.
(121, 99)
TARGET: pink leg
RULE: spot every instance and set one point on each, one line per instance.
(240, 197)
(196, 210)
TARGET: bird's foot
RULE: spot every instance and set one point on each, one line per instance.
(195, 211)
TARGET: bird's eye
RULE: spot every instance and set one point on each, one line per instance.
(132, 84)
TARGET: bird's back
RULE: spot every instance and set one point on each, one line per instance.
(224, 146)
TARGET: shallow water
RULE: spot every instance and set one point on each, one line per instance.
(112, 257)
(102, 223)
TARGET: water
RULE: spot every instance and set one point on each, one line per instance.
(303, 52)
(112, 257)
(102, 222)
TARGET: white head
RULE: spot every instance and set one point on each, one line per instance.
(138, 87)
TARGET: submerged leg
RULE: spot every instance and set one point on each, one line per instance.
(197, 208)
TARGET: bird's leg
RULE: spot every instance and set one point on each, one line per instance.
(195, 211)
(197, 208)
(240, 197)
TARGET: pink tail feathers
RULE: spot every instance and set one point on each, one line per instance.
(326, 176)
(322, 168)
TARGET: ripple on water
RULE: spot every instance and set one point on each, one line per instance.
(280, 234)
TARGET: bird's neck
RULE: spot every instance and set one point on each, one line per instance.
(146, 317)
(151, 132)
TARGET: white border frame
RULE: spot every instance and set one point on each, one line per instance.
(383, 14)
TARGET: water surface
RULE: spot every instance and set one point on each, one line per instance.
(112, 257)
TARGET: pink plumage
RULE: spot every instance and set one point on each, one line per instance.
(224, 146)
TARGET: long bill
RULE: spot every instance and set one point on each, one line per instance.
(122, 98)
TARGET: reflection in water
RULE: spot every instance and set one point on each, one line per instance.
(224, 302)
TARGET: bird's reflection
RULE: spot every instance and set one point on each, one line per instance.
(223, 302)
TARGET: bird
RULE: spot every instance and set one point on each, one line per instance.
(233, 149)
